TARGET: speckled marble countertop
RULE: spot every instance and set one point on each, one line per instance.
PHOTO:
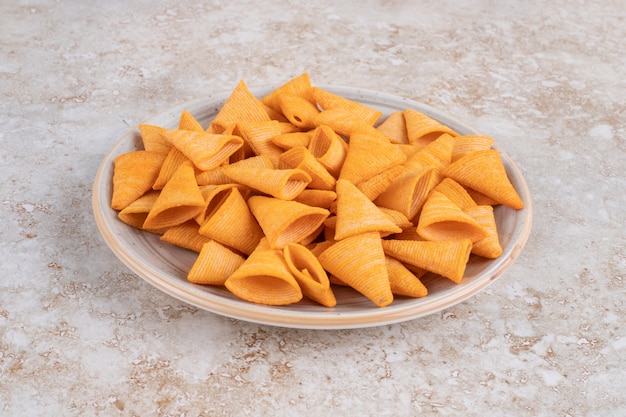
(80, 335)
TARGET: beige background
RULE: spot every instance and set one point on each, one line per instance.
(81, 335)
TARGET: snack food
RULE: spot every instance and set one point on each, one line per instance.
(372, 179)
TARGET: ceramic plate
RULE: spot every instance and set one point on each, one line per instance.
(166, 266)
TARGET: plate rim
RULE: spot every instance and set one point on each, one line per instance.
(328, 319)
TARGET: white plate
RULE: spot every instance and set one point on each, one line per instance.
(166, 266)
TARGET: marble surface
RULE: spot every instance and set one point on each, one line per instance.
(82, 335)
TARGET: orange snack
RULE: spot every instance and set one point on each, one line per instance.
(301, 158)
(134, 173)
(488, 247)
(356, 214)
(396, 217)
(136, 212)
(217, 175)
(172, 162)
(298, 110)
(436, 154)
(153, 138)
(188, 122)
(421, 173)
(258, 136)
(284, 196)
(408, 233)
(231, 223)
(359, 261)
(329, 149)
(447, 258)
(291, 140)
(285, 184)
(329, 101)
(316, 198)
(403, 281)
(344, 123)
(480, 198)
(276, 115)
(484, 172)
(309, 274)
(214, 195)
(394, 127)
(441, 219)
(374, 186)
(264, 278)
(241, 106)
(408, 192)
(186, 236)
(214, 264)
(368, 156)
(466, 144)
(284, 221)
(205, 150)
(455, 193)
(299, 86)
(179, 201)
(422, 129)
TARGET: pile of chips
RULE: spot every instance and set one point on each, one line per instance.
(292, 194)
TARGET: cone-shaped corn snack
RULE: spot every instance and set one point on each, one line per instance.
(186, 236)
(154, 139)
(285, 221)
(345, 123)
(456, 193)
(368, 156)
(316, 198)
(327, 100)
(408, 192)
(214, 264)
(441, 219)
(397, 217)
(470, 143)
(480, 198)
(484, 172)
(291, 140)
(422, 129)
(205, 150)
(188, 122)
(301, 158)
(447, 258)
(217, 176)
(133, 174)
(264, 278)
(394, 127)
(359, 261)
(356, 214)
(258, 135)
(489, 247)
(214, 196)
(232, 224)
(436, 155)
(403, 281)
(276, 115)
(136, 212)
(241, 106)
(179, 201)
(374, 186)
(285, 184)
(329, 149)
(172, 162)
(408, 233)
(299, 86)
(298, 110)
(309, 274)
